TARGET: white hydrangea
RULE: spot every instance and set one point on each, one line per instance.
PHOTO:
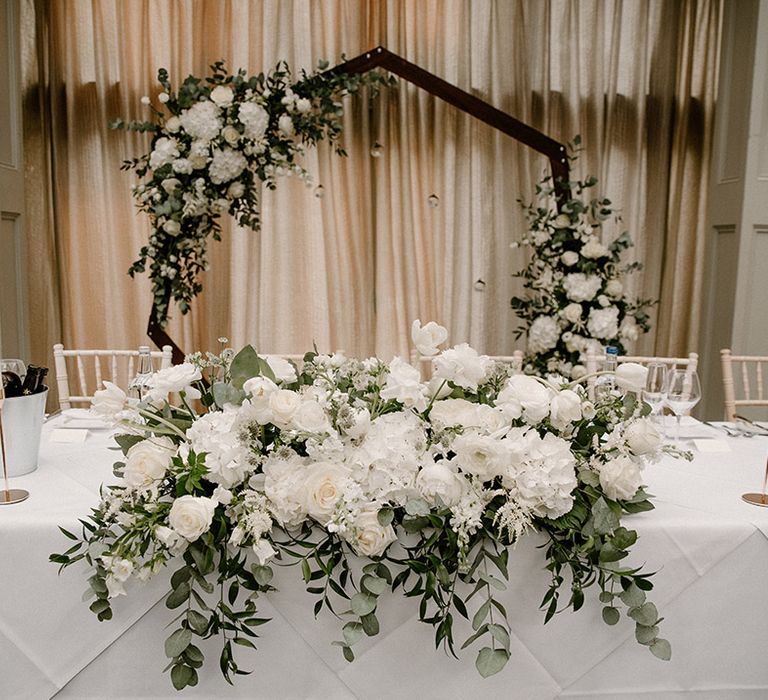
(202, 120)
(226, 165)
(581, 287)
(603, 323)
(165, 151)
(216, 434)
(254, 118)
(543, 334)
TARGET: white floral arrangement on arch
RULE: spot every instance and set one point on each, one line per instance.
(214, 142)
(368, 480)
(575, 302)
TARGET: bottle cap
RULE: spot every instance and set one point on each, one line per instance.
(611, 350)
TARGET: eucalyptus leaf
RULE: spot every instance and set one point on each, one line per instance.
(262, 574)
(370, 624)
(417, 506)
(374, 585)
(226, 393)
(633, 597)
(500, 635)
(352, 632)
(244, 366)
(604, 519)
(645, 614)
(661, 649)
(385, 516)
(362, 604)
(490, 661)
(178, 642)
(181, 676)
(481, 614)
(610, 615)
(646, 635)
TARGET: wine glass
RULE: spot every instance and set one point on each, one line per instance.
(683, 393)
(655, 391)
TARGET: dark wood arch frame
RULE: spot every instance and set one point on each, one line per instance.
(485, 112)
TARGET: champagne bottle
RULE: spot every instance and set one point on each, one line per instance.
(31, 380)
(41, 387)
(11, 384)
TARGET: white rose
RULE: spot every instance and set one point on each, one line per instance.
(303, 105)
(631, 376)
(108, 402)
(222, 95)
(370, 538)
(562, 221)
(569, 258)
(236, 190)
(323, 483)
(427, 338)
(603, 300)
(285, 124)
(404, 385)
(642, 437)
(439, 480)
(572, 312)
(147, 461)
(620, 478)
(310, 418)
(170, 184)
(532, 396)
(231, 135)
(463, 366)
(173, 124)
(283, 404)
(260, 389)
(175, 379)
(191, 516)
(172, 228)
(614, 288)
(564, 409)
(284, 371)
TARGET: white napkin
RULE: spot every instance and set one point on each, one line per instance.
(81, 418)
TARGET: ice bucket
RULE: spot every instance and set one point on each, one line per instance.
(22, 424)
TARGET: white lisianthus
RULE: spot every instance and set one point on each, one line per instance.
(109, 401)
(438, 388)
(370, 538)
(147, 461)
(580, 287)
(264, 551)
(572, 312)
(604, 323)
(593, 249)
(222, 495)
(642, 437)
(564, 409)
(530, 394)
(222, 95)
(285, 124)
(324, 483)
(404, 385)
(543, 334)
(614, 288)
(428, 338)
(631, 376)
(191, 516)
(569, 258)
(439, 480)
(176, 378)
(463, 366)
(284, 371)
(167, 537)
(620, 478)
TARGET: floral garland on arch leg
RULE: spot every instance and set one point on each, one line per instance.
(575, 301)
(214, 142)
(367, 479)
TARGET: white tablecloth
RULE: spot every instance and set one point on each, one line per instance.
(710, 550)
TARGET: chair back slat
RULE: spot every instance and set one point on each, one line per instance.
(752, 383)
(81, 375)
(97, 367)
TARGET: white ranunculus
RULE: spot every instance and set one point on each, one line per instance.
(631, 376)
(147, 461)
(580, 287)
(437, 479)
(191, 516)
(620, 478)
(109, 401)
(594, 249)
(569, 258)
(642, 437)
(165, 151)
(222, 95)
(370, 538)
(285, 124)
(427, 338)
(404, 385)
(323, 484)
(310, 418)
(564, 409)
(614, 288)
(284, 371)
(283, 404)
(603, 323)
(543, 334)
(530, 394)
(175, 379)
(572, 312)
(463, 366)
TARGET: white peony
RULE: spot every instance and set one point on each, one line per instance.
(191, 516)
(202, 121)
(109, 401)
(439, 480)
(427, 338)
(620, 477)
(222, 95)
(463, 366)
(543, 334)
(631, 376)
(642, 437)
(323, 487)
(593, 249)
(572, 312)
(564, 409)
(404, 385)
(254, 118)
(603, 323)
(147, 461)
(176, 378)
(580, 287)
(226, 165)
(530, 394)
(370, 538)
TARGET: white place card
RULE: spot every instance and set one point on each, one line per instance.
(70, 435)
(710, 445)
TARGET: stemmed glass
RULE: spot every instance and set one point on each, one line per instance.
(655, 391)
(683, 393)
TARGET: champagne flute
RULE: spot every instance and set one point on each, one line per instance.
(655, 391)
(683, 393)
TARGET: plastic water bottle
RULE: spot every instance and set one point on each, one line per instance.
(606, 383)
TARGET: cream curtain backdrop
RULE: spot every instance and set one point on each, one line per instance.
(351, 270)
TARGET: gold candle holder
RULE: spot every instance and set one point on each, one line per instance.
(8, 496)
(758, 499)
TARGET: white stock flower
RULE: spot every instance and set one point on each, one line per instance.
(593, 249)
(631, 376)
(427, 338)
(404, 385)
(165, 151)
(227, 164)
(254, 118)
(109, 401)
(642, 437)
(323, 487)
(222, 95)
(603, 323)
(572, 312)
(147, 461)
(530, 394)
(569, 258)
(284, 371)
(620, 477)
(191, 516)
(175, 379)
(463, 366)
(370, 538)
(202, 121)
(564, 409)
(438, 480)
(543, 334)
(580, 287)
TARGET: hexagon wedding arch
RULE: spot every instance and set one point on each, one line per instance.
(382, 58)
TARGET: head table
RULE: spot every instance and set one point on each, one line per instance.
(708, 547)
